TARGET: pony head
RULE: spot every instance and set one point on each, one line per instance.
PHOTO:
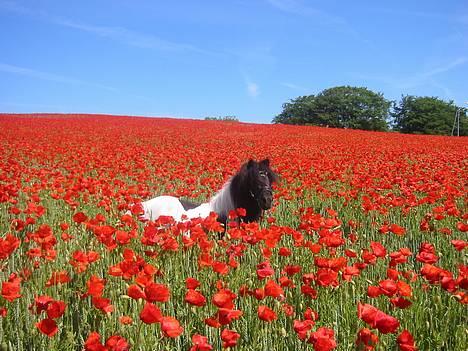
(260, 178)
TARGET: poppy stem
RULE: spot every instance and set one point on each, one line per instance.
(138, 334)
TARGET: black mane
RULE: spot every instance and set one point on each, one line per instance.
(246, 190)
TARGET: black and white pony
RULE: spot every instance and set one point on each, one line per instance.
(250, 188)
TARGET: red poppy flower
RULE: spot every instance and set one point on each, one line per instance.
(400, 302)
(125, 320)
(309, 291)
(378, 249)
(350, 271)
(366, 340)
(48, 327)
(79, 217)
(195, 298)
(225, 315)
(171, 327)
(385, 323)
(103, 304)
(117, 343)
(396, 229)
(200, 343)
(404, 289)
(377, 319)
(95, 286)
(459, 245)
(41, 303)
(373, 291)
(229, 338)
(284, 251)
(59, 277)
(11, 288)
(266, 314)
(303, 328)
(367, 313)
(288, 309)
(220, 267)
(7, 245)
(93, 343)
(157, 292)
(392, 274)
(150, 314)
(264, 270)
(224, 299)
(192, 283)
(273, 289)
(292, 269)
(326, 277)
(323, 339)
(135, 292)
(388, 287)
(56, 309)
(406, 341)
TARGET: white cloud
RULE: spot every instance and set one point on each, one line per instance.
(4, 67)
(252, 89)
(131, 38)
(294, 86)
(299, 8)
(120, 34)
(334, 22)
(446, 67)
(32, 73)
(423, 78)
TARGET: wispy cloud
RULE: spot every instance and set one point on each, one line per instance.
(445, 67)
(13, 6)
(426, 77)
(116, 33)
(253, 89)
(132, 38)
(52, 77)
(400, 12)
(295, 87)
(297, 7)
(7, 68)
(8, 104)
(320, 17)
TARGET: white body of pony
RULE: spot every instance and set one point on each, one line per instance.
(165, 205)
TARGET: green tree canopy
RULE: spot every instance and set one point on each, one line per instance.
(427, 115)
(342, 107)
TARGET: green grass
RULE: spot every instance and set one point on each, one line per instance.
(436, 319)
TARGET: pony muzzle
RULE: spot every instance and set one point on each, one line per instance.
(265, 200)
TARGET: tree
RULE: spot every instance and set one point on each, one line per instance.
(341, 107)
(427, 115)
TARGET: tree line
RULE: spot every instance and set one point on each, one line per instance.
(361, 108)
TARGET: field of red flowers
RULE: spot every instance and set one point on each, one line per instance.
(364, 249)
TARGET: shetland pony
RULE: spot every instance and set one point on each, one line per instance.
(250, 188)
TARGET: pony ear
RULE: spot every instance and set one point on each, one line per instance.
(250, 164)
(274, 177)
(265, 162)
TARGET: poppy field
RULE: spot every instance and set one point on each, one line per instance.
(364, 248)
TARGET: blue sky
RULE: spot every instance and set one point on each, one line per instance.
(224, 57)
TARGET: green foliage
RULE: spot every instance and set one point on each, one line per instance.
(427, 115)
(341, 107)
(222, 118)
